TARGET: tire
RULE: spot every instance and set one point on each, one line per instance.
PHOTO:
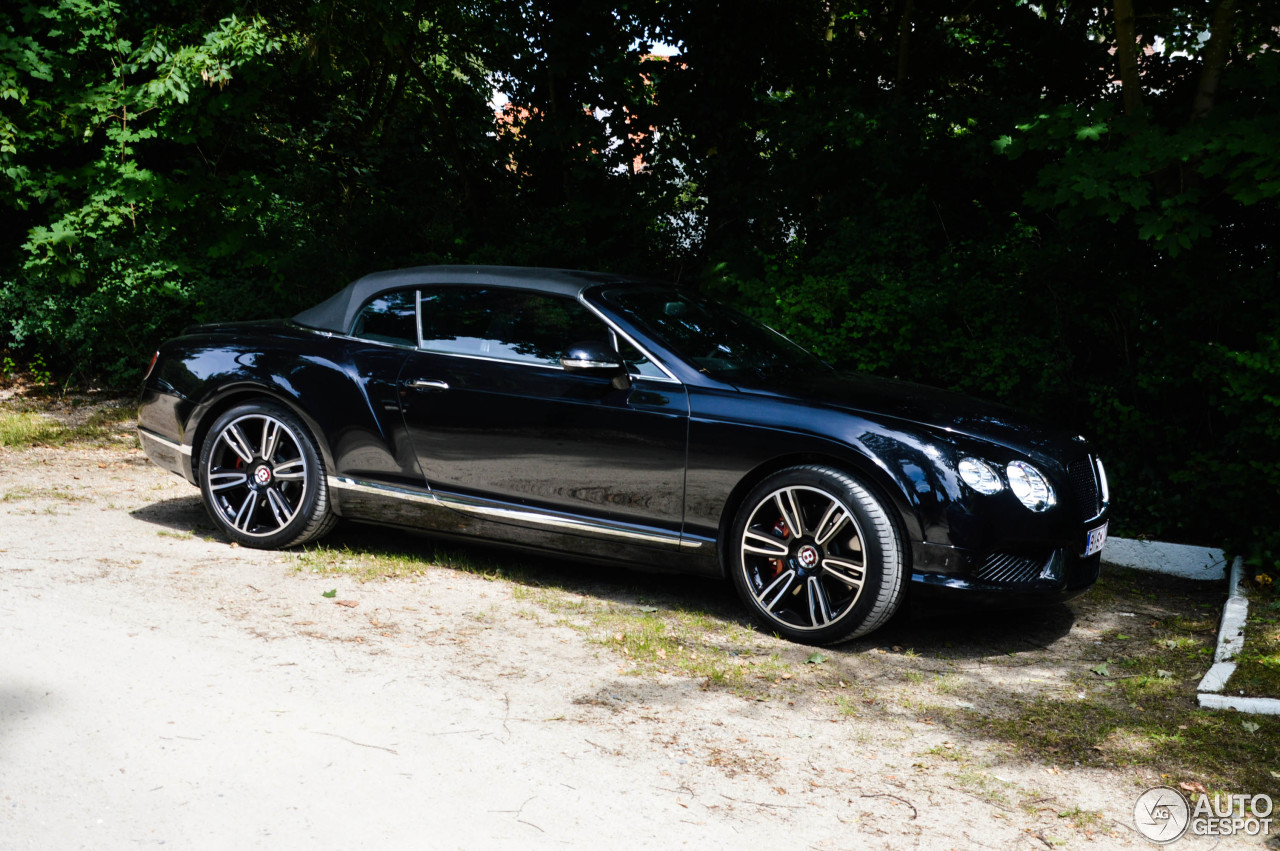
(262, 479)
(816, 557)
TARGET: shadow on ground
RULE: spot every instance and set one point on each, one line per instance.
(1107, 680)
(928, 629)
(180, 514)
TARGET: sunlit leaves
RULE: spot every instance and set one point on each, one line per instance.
(90, 90)
(1092, 131)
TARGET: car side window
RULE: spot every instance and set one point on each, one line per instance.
(389, 318)
(637, 363)
(505, 324)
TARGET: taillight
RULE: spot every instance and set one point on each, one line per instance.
(151, 365)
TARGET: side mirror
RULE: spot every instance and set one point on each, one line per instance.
(592, 358)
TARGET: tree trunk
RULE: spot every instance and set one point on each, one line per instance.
(1215, 57)
(1127, 54)
(904, 50)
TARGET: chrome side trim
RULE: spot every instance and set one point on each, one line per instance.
(510, 513)
(176, 447)
(393, 491)
(484, 508)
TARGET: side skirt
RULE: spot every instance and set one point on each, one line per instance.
(460, 515)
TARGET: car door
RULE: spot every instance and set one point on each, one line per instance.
(524, 450)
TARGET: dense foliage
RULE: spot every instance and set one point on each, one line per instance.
(1070, 207)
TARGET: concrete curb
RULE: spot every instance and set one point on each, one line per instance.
(1205, 563)
(1230, 643)
(1248, 705)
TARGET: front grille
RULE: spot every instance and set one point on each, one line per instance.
(1011, 567)
(1084, 483)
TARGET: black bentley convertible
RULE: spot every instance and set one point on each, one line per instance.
(622, 420)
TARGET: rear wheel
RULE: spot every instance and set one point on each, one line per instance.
(262, 479)
(816, 557)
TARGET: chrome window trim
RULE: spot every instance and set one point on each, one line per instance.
(667, 376)
(180, 448)
(420, 348)
(501, 511)
(491, 359)
(335, 335)
(417, 313)
(670, 377)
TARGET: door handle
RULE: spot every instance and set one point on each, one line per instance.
(428, 384)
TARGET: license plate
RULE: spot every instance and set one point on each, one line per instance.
(1095, 540)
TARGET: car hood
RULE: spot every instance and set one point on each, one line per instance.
(939, 410)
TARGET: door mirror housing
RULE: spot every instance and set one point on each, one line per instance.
(593, 358)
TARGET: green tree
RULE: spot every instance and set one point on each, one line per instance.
(98, 203)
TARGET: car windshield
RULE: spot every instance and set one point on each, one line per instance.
(717, 340)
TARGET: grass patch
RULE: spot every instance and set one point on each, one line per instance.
(948, 752)
(1257, 671)
(653, 633)
(367, 553)
(985, 786)
(32, 428)
(1082, 819)
(25, 428)
(664, 639)
(363, 565)
(1142, 712)
(53, 493)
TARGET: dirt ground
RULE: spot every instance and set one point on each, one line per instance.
(159, 686)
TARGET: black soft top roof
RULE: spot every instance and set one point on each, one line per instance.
(337, 312)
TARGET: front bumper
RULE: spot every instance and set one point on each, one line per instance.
(1012, 581)
(992, 549)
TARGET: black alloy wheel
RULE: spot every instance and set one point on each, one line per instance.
(262, 480)
(816, 557)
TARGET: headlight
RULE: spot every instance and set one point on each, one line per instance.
(1030, 486)
(980, 476)
(1102, 483)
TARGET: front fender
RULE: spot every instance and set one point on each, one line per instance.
(734, 442)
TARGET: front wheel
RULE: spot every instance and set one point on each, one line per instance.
(262, 480)
(816, 557)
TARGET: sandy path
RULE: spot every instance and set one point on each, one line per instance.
(160, 688)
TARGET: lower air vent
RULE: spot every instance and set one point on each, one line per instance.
(1012, 567)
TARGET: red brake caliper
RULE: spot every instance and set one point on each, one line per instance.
(779, 528)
